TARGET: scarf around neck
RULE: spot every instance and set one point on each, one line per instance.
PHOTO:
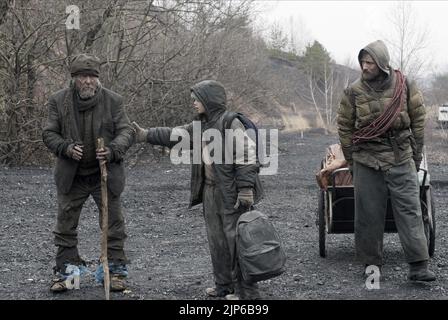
(85, 104)
(72, 105)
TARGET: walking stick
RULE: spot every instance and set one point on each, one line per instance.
(105, 221)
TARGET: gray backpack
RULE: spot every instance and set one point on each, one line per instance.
(259, 249)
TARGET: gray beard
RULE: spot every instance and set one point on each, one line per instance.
(86, 93)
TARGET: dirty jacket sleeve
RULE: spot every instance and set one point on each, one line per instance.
(346, 125)
(416, 110)
(52, 132)
(162, 135)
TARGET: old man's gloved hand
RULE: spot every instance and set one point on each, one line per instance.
(74, 151)
(104, 154)
(140, 133)
(245, 198)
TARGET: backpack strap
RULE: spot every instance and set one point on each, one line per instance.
(227, 124)
(228, 119)
(229, 116)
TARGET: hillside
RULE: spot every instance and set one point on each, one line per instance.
(287, 102)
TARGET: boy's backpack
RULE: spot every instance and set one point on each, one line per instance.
(259, 250)
(248, 124)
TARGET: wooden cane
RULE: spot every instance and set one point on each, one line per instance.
(105, 221)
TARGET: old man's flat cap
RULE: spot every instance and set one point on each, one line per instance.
(85, 64)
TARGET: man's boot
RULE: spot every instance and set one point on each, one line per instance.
(219, 291)
(117, 283)
(246, 291)
(58, 285)
(418, 271)
(62, 274)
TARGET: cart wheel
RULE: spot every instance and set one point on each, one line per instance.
(322, 227)
(429, 221)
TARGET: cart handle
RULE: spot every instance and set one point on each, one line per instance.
(333, 175)
(425, 173)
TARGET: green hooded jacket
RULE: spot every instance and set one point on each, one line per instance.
(361, 104)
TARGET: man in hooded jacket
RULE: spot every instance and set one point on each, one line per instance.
(385, 164)
(226, 190)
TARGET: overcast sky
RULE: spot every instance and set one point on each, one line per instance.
(344, 27)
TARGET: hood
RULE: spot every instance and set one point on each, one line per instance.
(212, 95)
(378, 51)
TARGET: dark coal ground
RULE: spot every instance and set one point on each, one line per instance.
(167, 242)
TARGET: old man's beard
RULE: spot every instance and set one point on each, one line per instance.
(87, 91)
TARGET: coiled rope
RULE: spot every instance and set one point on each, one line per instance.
(381, 124)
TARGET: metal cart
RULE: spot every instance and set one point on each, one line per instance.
(336, 209)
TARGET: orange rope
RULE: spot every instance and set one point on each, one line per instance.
(381, 124)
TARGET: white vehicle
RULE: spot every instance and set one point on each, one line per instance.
(443, 114)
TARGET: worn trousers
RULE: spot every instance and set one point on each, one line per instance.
(221, 234)
(372, 188)
(69, 210)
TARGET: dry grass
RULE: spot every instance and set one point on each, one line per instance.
(295, 122)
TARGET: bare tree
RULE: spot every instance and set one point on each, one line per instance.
(26, 47)
(438, 93)
(278, 39)
(299, 35)
(324, 93)
(407, 40)
(151, 52)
